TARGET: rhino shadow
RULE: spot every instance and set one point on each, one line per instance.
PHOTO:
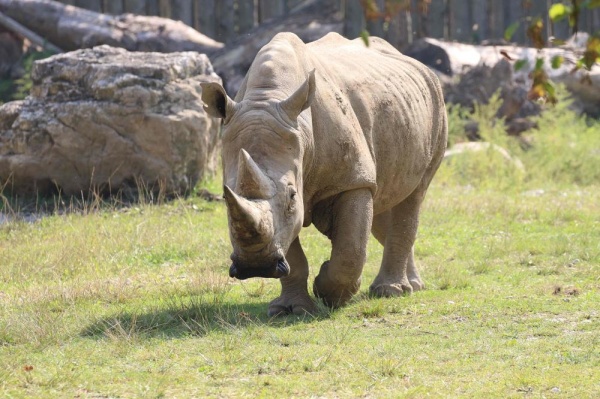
(196, 318)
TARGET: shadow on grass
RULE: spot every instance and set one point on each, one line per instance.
(191, 317)
(33, 207)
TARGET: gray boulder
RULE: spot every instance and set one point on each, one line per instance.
(484, 69)
(109, 120)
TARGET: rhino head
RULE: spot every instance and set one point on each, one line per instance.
(262, 173)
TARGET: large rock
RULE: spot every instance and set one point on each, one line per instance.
(458, 59)
(479, 83)
(106, 119)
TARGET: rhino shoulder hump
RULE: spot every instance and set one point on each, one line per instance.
(288, 37)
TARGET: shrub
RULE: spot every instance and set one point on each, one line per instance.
(18, 89)
(565, 149)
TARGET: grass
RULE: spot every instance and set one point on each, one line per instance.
(127, 302)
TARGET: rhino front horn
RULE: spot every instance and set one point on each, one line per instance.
(251, 181)
(246, 217)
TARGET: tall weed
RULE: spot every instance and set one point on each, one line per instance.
(564, 149)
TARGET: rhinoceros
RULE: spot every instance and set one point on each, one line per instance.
(337, 134)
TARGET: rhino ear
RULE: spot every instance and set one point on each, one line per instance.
(301, 99)
(216, 101)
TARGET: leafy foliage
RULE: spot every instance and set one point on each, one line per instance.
(563, 149)
(591, 54)
(18, 89)
(534, 33)
(559, 11)
(510, 31)
(541, 88)
(391, 8)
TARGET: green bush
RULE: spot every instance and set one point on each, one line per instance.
(565, 149)
(18, 89)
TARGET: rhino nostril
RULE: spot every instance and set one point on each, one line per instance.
(282, 269)
(233, 270)
(242, 271)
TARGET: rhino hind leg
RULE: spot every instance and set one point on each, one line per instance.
(414, 278)
(396, 230)
(294, 298)
(351, 218)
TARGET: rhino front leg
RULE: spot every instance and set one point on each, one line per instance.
(339, 278)
(294, 296)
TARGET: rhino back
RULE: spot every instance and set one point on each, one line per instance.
(378, 117)
(392, 112)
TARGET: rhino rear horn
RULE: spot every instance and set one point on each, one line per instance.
(251, 180)
(301, 99)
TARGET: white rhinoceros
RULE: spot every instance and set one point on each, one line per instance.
(337, 134)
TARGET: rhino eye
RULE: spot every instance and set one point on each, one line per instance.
(292, 196)
(291, 203)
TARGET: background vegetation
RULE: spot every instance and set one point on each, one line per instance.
(114, 301)
(18, 89)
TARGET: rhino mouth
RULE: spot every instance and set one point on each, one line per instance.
(277, 270)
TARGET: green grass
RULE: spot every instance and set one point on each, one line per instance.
(127, 302)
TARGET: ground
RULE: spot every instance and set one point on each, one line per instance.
(108, 301)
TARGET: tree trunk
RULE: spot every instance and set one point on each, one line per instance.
(112, 7)
(182, 11)
(354, 19)
(480, 31)
(375, 26)
(206, 17)
(268, 9)
(93, 5)
(435, 22)
(134, 6)
(226, 18)
(461, 26)
(246, 16)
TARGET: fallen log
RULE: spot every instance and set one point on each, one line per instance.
(13, 26)
(72, 28)
(466, 61)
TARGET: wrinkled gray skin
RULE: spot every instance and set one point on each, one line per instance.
(337, 134)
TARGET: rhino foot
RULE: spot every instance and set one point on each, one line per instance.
(390, 290)
(332, 293)
(298, 305)
(417, 284)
